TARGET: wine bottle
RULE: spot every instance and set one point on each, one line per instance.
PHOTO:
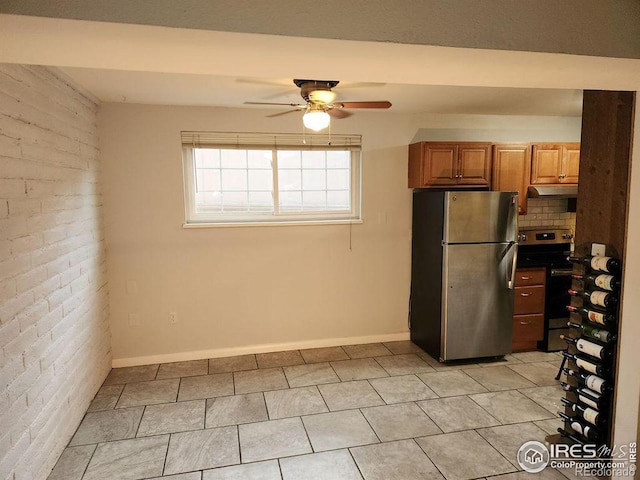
(587, 396)
(591, 415)
(573, 438)
(594, 316)
(581, 427)
(590, 366)
(593, 332)
(599, 264)
(603, 352)
(597, 298)
(590, 381)
(603, 281)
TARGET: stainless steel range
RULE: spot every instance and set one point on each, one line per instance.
(549, 248)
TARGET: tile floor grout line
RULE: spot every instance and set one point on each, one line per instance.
(369, 423)
(280, 468)
(348, 449)
(482, 408)
(430, 459)
(499, 453)
(166, 455)
(140, 422)
(538, 403)
(84, 472)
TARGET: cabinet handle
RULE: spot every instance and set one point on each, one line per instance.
(525, 323)
(525, 294)
(524, 277)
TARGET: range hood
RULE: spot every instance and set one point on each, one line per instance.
(557, 191)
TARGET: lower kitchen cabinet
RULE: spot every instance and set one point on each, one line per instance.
(528, 308)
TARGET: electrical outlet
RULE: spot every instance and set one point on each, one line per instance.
(173, 318)
(134, 320)
(598, 249)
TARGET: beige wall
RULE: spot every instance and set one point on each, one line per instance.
(253, 288)
(250, 287)
(54, 331)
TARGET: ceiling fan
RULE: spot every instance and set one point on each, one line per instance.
(319, 104)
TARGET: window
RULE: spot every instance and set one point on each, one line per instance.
(266, 178)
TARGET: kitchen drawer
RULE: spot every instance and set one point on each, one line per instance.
(530, 276)
(528, 328)
(528, 300)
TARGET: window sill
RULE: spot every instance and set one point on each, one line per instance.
(293, 223)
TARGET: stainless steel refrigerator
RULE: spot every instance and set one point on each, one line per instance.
(462, 271)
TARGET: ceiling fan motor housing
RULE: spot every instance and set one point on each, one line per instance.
(316, 91)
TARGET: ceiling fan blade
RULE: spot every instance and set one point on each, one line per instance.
(380, 104)
(275, 103)
(282, 113)
(338, 113)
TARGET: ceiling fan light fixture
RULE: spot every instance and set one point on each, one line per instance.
(322, 96)
(316, 120)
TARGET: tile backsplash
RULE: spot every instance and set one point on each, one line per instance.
(547, 212)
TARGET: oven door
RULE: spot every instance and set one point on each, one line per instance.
(556, 300)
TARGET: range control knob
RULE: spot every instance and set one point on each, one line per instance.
(522, 237)
(567, 236)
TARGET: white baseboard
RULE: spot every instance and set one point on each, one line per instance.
(265, 348)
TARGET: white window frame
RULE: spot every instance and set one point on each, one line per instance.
(273, 143)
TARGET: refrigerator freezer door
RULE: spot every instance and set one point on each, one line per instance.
(479, 217)
(477, 304)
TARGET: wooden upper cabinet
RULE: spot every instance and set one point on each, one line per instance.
(554, 164)
(449, 164)
(439, 164)
(511, 171)
(572, 162)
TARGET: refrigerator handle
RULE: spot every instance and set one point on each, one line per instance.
(511, 280)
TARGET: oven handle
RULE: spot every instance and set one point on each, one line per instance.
(561, 272)
(511, 281)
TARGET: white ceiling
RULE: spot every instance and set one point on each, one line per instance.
(225, 91)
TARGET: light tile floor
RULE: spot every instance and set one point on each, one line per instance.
(364, 412)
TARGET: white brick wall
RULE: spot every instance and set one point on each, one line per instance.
(54, 333)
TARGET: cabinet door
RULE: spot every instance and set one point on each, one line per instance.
(439, 164)
(570, 163)
(511, 171)
(474, 164)
(546, 164)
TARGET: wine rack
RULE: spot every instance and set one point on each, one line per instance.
(589, 361)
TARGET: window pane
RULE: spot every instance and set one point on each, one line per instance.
(207, 157)
(233, 158)
(337, 159)
(291, 201)
(338, 179)
(235, 201)
(338, 200)
(314, 180)
(289, 180)
(209, 180)
(230, 182)
(313, 159)
(261, 180)
(259, 159)
(234, 180)
(260, 202)
(288, 159)
(314, 200)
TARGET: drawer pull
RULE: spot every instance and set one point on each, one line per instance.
(525, 294)
(524, 277)
(525, 323)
